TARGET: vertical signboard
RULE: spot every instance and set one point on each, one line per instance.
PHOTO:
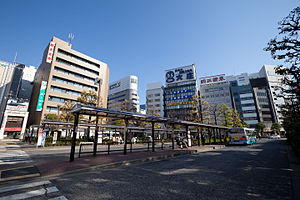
(50, 52)
(41, 96)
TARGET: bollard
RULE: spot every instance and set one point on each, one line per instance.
(108, 148)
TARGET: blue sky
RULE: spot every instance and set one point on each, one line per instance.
(146, 37)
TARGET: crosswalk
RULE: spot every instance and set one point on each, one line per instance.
(12, 154)
(34, 190)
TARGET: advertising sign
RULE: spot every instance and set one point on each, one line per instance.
(212, 79)
(15, 106)
(50, 52)
(41, 138)
(41, 96)
(181, 74)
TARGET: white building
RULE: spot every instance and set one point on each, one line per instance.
(123, 94)
(155, 99)
(274, 81)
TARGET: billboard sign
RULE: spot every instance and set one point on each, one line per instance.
(16, 106)
(39, 106)
(181, 74)
(50, 52)
(212, 79)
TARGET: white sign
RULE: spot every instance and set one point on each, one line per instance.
(50, 52)
(181, 74)
(212, 79)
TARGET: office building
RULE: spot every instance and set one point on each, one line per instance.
(155, 99)
(123, 94)
(181, 86)
(274, 82)
(6, 73)
(15, 114)
(264, 102)
(62, 75)
(215, 90)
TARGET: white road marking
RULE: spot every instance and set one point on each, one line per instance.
(28, 185)
(30, 194)
(59, 198)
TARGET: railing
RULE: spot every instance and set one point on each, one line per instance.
(130, 147)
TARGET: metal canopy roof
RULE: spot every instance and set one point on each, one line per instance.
(105, 112)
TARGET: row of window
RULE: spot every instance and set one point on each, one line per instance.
(60, 100)
(58, 89)
(73, 74)
(61, 80)
(76, 66)
(179, 106)
(151, 95)
(215, 95)
(117, 97)
(77, 58)
(214, 89)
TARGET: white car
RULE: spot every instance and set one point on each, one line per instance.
(274, 137)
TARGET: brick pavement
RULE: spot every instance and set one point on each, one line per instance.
(101, 161)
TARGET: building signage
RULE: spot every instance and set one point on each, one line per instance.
(212, 79)
(12, 129)
(50, 52)
(180, 74)
(41, 96)
(15, 106)
(115, 85)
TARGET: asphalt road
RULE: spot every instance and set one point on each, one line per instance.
(259, 171)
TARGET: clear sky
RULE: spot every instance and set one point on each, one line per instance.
(146, 37)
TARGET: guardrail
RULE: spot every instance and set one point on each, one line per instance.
(131, 148)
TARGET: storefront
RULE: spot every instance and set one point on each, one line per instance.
(14, 120)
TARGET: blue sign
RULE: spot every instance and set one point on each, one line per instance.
(182, 74)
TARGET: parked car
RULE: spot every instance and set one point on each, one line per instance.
(274, 137)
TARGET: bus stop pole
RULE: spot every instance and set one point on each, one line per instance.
(125, 136)
(198, 131)
(172, 135)
(96, 137)
(153, 148)
(72, 153)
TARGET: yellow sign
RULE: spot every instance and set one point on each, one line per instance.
(236, 138)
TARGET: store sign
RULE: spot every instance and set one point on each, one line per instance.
(41, 96)
(181, 74)
(14, 106)
(212, 79)
(115, 85)
(50, 52)
(12, 129)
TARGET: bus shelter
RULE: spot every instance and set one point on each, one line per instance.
(98, 112)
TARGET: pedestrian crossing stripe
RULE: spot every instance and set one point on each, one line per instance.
(30, 194)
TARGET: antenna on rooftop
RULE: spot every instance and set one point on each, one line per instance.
(70, 37)
(15, 57)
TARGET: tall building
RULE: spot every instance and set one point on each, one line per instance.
(27, 83)
(181, 86)
(243, 98)
(274, 83)
(62, 75)
(6, 74)
(123, 94)
(155, 99)
(215, 90)
(15, 115)
(264, 102)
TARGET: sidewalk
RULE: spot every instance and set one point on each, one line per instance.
(112, 160)
(54, 161)
(294, 164)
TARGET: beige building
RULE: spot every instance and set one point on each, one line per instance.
(63, 74)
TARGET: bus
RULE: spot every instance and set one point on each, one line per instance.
(241, 135)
